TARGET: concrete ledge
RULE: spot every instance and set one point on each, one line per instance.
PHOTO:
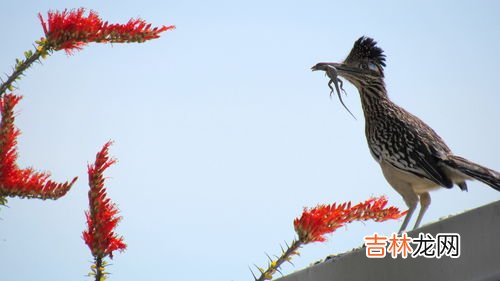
(479, 259)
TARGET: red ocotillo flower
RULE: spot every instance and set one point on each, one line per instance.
(102, 216)
(315, 222)
(72, 29)
(15, 182)
(323, 219)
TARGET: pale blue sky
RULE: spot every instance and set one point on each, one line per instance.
(223, 133)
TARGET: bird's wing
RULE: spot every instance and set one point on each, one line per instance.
(418, 149)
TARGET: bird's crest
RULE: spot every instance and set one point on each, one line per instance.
(365, 49)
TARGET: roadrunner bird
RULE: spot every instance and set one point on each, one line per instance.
(414, 159)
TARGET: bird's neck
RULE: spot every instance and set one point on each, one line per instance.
(373, 97)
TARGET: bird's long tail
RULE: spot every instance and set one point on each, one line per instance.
(476, 171)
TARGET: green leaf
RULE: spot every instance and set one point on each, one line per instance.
(3, 201)
(28, 54)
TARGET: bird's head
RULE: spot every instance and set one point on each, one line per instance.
(365, 62)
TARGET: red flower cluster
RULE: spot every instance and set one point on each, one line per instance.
(102, 216)
(70, 30)
(24, 183)
(316, 222)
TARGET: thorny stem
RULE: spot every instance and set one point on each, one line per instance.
(98, 264)
(19, 69)
(285, 256)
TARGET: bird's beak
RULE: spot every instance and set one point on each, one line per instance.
(341, 68)
(315, 67)
(321, 66)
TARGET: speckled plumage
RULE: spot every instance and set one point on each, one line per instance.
(403, 140)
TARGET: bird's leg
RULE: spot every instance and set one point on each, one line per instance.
(425, 201)
(411, 201)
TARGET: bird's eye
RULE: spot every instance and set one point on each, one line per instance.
(363, 66)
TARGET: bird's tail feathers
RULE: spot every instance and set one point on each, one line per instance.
(476, 171)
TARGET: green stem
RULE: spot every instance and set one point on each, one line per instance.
(285, 256)
(20, 69)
